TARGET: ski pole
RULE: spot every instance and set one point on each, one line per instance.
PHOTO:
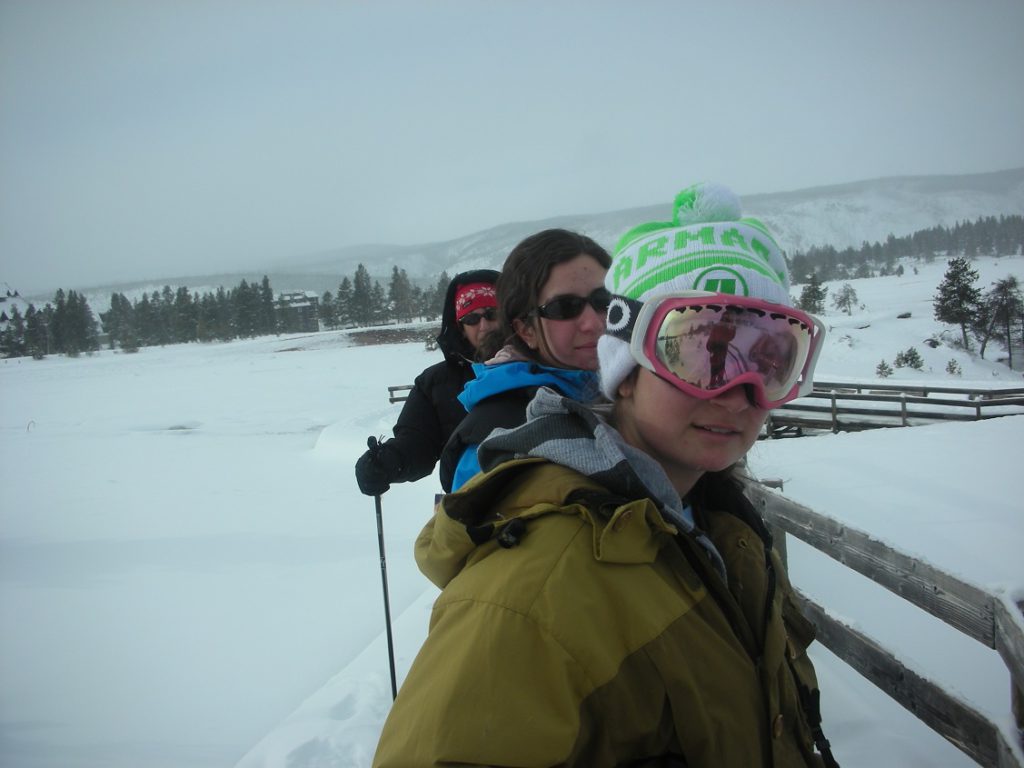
(372, 444)
(387, 605)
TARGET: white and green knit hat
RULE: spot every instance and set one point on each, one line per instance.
(706, 247)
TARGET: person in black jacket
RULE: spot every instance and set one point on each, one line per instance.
(432, 411)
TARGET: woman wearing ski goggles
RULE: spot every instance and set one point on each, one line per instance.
(706, 343)
(612, 547)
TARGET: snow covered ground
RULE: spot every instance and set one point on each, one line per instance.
(190, 577)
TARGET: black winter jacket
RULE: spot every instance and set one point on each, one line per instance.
(432, 411)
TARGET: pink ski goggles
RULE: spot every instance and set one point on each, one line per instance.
(706, 343)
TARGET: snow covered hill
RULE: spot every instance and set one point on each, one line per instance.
(839, 215)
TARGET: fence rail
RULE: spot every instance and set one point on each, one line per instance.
(923, 389)
(853, 407)
(986, 618)
(399, 393)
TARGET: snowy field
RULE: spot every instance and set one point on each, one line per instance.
(189, 576)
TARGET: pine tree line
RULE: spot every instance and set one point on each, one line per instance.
(180, 316)
(987, 236)
(362, 301)
(175, 316)
(67, 326)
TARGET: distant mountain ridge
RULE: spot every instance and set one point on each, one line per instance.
(840, 215)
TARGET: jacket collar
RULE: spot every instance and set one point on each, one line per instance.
(563, 431)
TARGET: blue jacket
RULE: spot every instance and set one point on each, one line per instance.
(497, 397)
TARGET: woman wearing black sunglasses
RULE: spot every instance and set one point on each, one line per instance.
(551, 308)
(431, 413)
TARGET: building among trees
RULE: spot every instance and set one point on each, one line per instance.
(297, 312)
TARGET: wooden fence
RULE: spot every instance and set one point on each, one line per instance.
(986, 618)
(849, 407)
(399, 393)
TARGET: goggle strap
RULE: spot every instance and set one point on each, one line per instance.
(806, 382)
(622, 315)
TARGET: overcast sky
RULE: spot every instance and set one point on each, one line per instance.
(154, 138)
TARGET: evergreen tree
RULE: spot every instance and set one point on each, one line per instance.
(328, 311)
(884, 370)
(400, 296)
(165, 316)
(37, 333)
(433, 300)
(958, 299)
(14, 335)
(145, 321)
(379, 310)
(80, 325)
(361, 303)
(206, 318)
(812, 297)
(224, 316)
(343, 304)
(245, 309)
(1006, 307)
(846, 299)
(68, 322)
(417, 301)
(119, 321)
(267, 314)
(909, 358)
(111, 320)
(57, 321)
(186, 315)
(126, 324)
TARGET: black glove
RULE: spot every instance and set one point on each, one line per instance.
(376, 468)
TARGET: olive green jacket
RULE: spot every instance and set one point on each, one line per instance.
(578, 628)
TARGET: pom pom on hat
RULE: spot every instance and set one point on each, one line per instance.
(707, 246)
(707, 202)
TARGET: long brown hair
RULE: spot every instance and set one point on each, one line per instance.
(523, 276)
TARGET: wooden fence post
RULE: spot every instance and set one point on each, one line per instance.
(835, 414)
(778, 533)
(1017, 698)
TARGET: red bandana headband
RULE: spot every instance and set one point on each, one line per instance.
(474, 296)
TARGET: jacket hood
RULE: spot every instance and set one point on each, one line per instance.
(451, 341)
(490, 380)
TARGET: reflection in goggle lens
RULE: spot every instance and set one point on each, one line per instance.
(708, 346)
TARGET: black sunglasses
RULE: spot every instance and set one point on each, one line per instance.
(474, 318)
(571, 306)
